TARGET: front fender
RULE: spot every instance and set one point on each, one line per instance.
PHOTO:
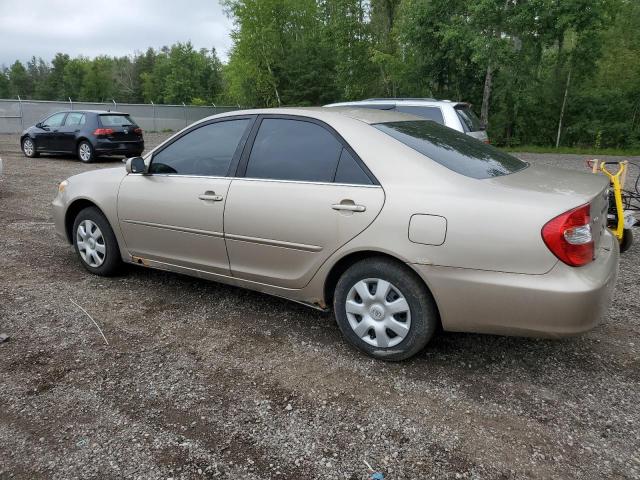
(97, 188)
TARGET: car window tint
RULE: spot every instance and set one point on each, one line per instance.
(430, 113)
(470, 122)
(293, 150)
(74, 119)
(455, 150)
(350, 172)
(55, 120)
(208, 150)
(115, 120)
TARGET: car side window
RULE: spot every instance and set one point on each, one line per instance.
(430, 113)
(74, 120)
(349, 171)
(205, 151)
(286, 149)
(54, 120)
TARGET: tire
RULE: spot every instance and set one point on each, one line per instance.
(85, 151)
(627, 240)
(97, 249)
(29, 148)
(421, 315)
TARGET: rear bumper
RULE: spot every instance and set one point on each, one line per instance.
(105, 146)
(565, 301)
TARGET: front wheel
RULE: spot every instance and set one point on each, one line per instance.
(29, 148)
(95, 243)
(384, 309)
(86, 153)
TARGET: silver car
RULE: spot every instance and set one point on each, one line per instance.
(456, 115)
(400, 224)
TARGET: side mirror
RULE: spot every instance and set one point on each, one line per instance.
(39, 125)
(136, 165)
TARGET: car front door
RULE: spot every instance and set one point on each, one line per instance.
(67, 132)
(46, 135)
(304, 194)
(174, 214)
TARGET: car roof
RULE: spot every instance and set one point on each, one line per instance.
(98, 112)
(394, 101)
(366, 115)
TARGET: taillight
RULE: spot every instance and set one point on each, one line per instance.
(138, 131)
(569, 236)
(103, 131)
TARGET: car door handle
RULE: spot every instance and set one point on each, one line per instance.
(210, 196)
(349, 207)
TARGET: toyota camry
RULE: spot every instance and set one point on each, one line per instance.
(400, 225)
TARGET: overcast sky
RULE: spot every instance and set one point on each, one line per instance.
(115, 27)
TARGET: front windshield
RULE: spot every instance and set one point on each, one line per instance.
(456, 151)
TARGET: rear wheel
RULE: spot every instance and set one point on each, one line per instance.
(95, 243)
(627, 240)
(29, 148)
(86, 154)
(384, 309)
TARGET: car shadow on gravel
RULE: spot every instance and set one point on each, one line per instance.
(464, 352)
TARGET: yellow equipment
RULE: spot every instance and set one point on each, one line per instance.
(620, 219)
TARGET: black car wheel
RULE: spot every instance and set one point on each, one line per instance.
(29, 148)
(627, 240)
(86, 154)
(384, 309)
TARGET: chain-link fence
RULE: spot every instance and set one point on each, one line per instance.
(16, 115)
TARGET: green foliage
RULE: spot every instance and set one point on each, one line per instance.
(172, 75)
(538, 68)
(182, 74)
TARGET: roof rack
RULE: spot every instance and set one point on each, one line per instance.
(401, 98)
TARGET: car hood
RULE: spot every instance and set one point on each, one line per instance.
(102, 175)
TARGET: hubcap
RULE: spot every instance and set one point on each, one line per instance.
(85, 152)
(378, 312)
(28, 147)
(91, 243)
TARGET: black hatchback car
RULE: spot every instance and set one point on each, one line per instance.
(86, 133)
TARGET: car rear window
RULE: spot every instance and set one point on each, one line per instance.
(470, 121)
(452, 149)
(115, 120)
(430, 113)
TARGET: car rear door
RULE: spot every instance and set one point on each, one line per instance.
(304, 194)
(67, 132)
(174, 214)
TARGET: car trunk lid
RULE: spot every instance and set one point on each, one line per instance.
(562, 190)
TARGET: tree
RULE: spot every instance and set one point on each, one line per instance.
(5, 85)
(19, 81)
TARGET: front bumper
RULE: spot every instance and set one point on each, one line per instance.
(565, 301)
(58, 212)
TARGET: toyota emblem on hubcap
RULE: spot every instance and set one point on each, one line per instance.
(377, 313)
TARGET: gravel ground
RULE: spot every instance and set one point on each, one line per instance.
(206, 380)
